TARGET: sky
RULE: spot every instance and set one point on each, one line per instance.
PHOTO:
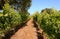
(38, 5)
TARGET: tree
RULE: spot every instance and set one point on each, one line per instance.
(49, 10)
(19, 5)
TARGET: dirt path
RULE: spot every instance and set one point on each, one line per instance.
(27, 32)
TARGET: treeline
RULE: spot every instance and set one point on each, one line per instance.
(9, 18)
(14, 13)
(49, 21)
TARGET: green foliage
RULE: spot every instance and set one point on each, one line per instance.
(24, 16)
(9, 19)
(50, 23)
(10, 16)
